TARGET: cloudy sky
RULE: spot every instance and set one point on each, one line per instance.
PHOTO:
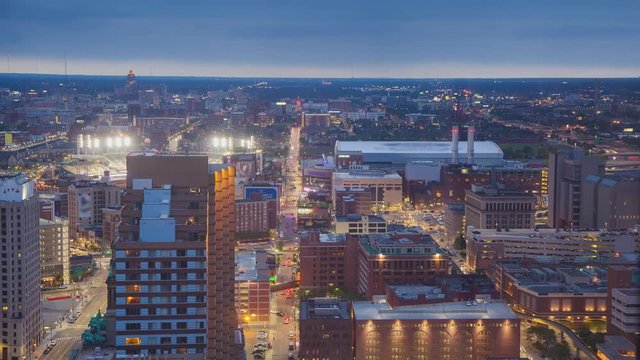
(323, 38)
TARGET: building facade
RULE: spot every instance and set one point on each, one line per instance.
(366, 264)
(386, 187)
(454, 222)
(325, 329)
(568, 172)
(452, 330)
(493, 208)
(355, 224)
(485, 247)
(86, 201)
(20, 253)
(172, 287)
(55, 269)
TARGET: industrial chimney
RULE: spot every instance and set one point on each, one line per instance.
(471, 132)
(454, 144)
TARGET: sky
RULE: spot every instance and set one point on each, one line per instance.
(323, 38)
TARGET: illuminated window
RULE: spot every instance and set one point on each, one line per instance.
(132, 341)
(133, 300)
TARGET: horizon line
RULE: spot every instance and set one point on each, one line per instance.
(324, 78)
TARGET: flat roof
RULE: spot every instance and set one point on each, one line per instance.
(367, 174)
(367, 310)
(416, 147)
(246, 268)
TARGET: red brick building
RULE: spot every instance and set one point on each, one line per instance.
(554, 291)
(326, 329)
(256, 215)
(367, 264)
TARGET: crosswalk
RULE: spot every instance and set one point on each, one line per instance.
(68, 338)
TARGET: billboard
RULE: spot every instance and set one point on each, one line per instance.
(85, 206)
(268, 192)
(245, 164)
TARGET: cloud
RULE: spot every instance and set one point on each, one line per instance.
(328, 37)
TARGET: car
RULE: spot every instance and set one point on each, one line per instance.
(48, 349)
(290, 357)
(281, 314)
(258, 357)
(273, 311)
(286, 320)
(291, 335)
(291, 345)
(52, 343)
(71, 320)
(282, 292)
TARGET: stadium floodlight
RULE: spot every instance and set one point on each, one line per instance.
(216, 142)
(127, 141)
(223, 142)
(96, 143)
(118, 142)
(109, 142)
(230, 142)
(242, 142)
(80, 141)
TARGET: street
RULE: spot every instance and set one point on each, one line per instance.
(68, 336)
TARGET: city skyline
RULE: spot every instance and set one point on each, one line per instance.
(418, 40)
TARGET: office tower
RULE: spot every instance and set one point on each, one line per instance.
(131, 87)
(489, 207)
(20, 263)
(86, 200)
(612, 201)
(568, 172)
(54, 252)
(172, 290)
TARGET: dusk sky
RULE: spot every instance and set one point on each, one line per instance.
(417, 39)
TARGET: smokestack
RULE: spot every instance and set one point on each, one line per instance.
(454, 144)
(471, 132)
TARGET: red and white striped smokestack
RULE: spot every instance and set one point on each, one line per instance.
(454, 144)
(471, 132)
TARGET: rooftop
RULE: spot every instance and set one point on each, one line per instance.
(246, 268)
(324, 308)
(332, 238)
(416, 147)
(358, 174)
(367, 310)
(358, 217)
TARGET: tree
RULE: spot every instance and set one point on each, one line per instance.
(559, 351)
(542, 337)
(460, 242)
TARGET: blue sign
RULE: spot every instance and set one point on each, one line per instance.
(268, 193)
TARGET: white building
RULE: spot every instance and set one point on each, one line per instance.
(487, 246)
(387, 194)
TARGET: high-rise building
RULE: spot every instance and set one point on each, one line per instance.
(568, 172)
(489, 207)
(172, 287)
(54, 252)
(86, 201)
(20, 253)
(612, 201)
